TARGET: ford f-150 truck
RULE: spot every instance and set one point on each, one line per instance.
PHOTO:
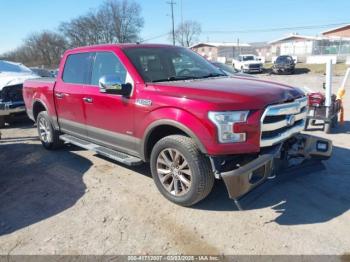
(166, 105)
(248, 64)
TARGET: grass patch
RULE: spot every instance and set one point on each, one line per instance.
(338, 69)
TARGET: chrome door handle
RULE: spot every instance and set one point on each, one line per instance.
(88, 99)
(59, 95)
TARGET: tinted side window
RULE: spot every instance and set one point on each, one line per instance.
(107, 63)
(76, 69)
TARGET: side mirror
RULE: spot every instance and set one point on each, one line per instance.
(111, 84)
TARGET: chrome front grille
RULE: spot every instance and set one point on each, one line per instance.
(279, 122)
(254, 66)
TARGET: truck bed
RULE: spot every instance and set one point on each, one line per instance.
(39, 89)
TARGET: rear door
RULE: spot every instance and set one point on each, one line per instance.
(109, 117)
(70, 93)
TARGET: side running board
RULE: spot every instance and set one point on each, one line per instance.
(112, 154)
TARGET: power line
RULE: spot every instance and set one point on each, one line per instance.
(153, 37)
(172, 3)
(257, 30)
(262, 30)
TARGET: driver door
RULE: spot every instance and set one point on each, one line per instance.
(109, 117)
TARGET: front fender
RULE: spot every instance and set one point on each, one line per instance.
(178, 118)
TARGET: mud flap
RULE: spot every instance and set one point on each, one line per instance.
(245, 178)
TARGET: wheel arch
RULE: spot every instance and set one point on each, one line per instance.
(38, 106)
(163, 128)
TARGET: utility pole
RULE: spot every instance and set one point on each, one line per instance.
(172, 3)
(182, 23)
(238, 47)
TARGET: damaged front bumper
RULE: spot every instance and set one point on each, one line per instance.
(9, 108)
(245, 178)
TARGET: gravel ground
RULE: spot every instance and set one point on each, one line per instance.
(74, 202)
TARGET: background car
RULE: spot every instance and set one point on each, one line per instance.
(248, 64)
(12, 77)
(284, 64)
(42, 72)
(229, 70)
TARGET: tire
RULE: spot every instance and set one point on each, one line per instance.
(2, 121)
(49, 137)
(328, 128)
(168, 155)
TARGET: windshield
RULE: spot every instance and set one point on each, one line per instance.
(170, 64)
(248, 58)
(284, 59)
(6, 66)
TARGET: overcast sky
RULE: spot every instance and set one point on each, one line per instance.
(19, 18)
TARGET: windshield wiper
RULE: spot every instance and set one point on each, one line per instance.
(213, 75)
(175, 78)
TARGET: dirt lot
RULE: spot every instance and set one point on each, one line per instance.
(73, 202)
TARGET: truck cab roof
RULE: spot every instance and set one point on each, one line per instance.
(121, 46)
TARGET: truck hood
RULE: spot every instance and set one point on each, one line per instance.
(12, 78)
(247, 93)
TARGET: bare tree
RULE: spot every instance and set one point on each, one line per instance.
(47, 47)
(39, 49)
(113, 22)
(187, 33)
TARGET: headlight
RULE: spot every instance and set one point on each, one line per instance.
(246, 66)
(225, 121)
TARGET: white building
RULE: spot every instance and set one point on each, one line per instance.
(302, 46)
(222, 52)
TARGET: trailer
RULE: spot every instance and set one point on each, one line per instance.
(326, 107)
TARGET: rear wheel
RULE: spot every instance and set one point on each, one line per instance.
(180, 171)
(48, 136)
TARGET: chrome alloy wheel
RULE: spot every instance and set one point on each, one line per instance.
(174, 172)
(44, 130)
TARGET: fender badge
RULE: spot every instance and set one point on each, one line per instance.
(143, 102)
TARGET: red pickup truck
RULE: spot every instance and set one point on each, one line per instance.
(167, 105)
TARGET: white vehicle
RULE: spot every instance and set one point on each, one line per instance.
(247, 64)
(12, 76)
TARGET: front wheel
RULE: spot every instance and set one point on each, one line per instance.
(48, 136)
(180, 171)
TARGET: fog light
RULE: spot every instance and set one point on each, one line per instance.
(322, 146)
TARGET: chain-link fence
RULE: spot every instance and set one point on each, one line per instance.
(324, 47)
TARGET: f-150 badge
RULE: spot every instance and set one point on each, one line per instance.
(143, 102)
